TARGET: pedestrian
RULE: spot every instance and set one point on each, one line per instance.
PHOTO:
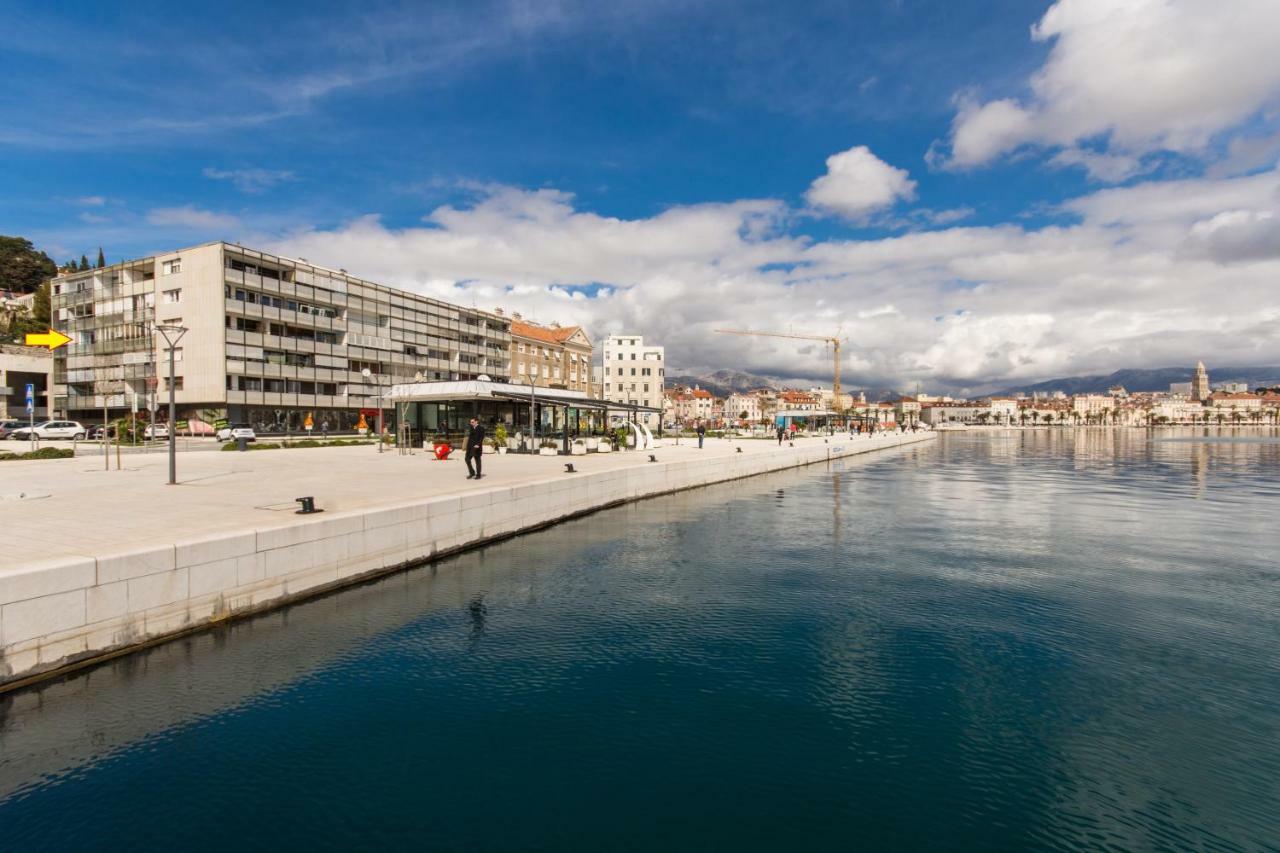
(781, 434)
(324, 429)
(475, 449)
(702, 433)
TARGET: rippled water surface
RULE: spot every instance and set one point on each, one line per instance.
(1040, 640)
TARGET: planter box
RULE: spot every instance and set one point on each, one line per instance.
(604, 448)
(593, 444)
(576, 449)
(548, 451)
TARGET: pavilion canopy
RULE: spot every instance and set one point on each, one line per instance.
(479, 389)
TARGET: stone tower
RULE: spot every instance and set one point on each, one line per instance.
(1200, 382)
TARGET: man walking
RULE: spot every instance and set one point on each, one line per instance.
(782, 431)
(702, 433)
(475, 449)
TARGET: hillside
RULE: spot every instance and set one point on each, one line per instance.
(1153, 379)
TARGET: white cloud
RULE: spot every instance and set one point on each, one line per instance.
(250, 180)
(1150, 275)
(193, 218)
(91, 201)
(1143, 75)
(858, 182)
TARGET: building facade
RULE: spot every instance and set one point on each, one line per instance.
(634, 373)
(550, 356)
(269, 341)
(21, 366)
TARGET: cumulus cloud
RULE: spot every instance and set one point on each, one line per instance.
(858, 182)
(956, 307)
(1143, 75)
(249, 180)
(192, 218)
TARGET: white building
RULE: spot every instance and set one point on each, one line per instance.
(634, 373)
(736, 404)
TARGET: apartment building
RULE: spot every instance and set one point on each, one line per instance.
(552, 356)
(634, 373)
(269, 340)
(21, 366)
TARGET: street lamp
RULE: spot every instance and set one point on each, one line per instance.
(368, 374)
(172, 334)
(533, 399)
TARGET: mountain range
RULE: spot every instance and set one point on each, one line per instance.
(1152, 379)
(722, 383)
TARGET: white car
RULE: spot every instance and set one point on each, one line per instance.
(156, 431)
(50, 429)
(236, 431)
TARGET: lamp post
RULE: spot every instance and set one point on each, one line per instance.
(533, 399)
(368, 374)
(172, 334)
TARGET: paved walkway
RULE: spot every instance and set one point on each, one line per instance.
(65, 507)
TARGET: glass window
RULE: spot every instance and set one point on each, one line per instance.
(172, 297)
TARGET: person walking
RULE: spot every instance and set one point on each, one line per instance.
(702, 433)
(475, 449)
(782, 431)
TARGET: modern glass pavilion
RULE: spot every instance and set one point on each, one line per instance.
(429, 409)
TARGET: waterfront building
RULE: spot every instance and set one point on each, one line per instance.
(799, 401)
(907, 410)
(952, 413)
(1003, 410)
(552, 356)
(1180, 389)
(634, 373)
(21, 366)
(1200, 382)
(690, 405)
(740, 408)
(1234, 387)
(270, 341)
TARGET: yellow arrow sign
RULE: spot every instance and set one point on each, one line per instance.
(51, 339)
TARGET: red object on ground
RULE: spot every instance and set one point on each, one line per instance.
(442, 451)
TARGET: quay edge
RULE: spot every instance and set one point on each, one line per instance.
(71, 613)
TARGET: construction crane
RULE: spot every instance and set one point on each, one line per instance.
(834, 343)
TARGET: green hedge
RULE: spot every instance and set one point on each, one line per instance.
(42, 453)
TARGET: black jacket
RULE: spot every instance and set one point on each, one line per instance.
(475, 437)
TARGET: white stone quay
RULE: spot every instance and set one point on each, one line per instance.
(113, 560)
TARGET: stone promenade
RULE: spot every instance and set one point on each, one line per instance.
(97, 561)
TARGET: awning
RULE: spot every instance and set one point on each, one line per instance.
(478, 389)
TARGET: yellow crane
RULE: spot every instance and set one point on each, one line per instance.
(833, 342)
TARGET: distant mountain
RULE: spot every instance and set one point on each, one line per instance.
(722, 383)
(1155, 379)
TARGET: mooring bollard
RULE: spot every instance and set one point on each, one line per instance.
(242, 444)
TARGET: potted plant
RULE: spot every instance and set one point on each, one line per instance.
(578, 447)
(592, 443)
(548, 448)
(500, 438)
(604, 446)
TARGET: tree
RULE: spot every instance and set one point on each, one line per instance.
(22, 268)
(84, 263)
(102, 261)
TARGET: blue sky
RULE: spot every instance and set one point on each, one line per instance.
(507, 153)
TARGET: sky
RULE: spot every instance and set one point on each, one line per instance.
(973, 195)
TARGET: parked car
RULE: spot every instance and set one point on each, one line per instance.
(7, 427)
(156, 431)
(95, 432)
(48, 430)
(236, 431)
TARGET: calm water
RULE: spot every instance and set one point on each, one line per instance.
(1003, 642)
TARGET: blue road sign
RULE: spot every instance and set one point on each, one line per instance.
(31, 397)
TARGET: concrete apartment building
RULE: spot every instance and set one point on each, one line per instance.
(270, 340)
(550, 356)
(21, 366)
(634, 373)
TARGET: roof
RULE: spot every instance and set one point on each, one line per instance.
(479, 389)
(546, 334)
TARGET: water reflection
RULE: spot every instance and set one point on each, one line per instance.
(1056, 639)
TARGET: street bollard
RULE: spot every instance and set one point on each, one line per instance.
(242, 444)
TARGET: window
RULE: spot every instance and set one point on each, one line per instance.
(633, 371)
(172, 297)
(171, 267)
(177, 383)
(521, 347)
(633, 356)
(520, 368)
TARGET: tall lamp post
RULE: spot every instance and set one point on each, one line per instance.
(368, 374)
(172, 334)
